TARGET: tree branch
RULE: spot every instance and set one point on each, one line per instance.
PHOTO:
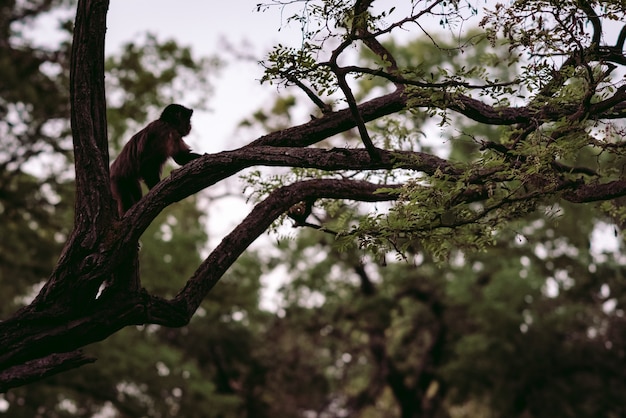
(210, 169)
(88, 118)
(35, 370)
(596, 23)
(354, 110)
(93, 208)
(594, 192)
(257, 222)
(332, 124)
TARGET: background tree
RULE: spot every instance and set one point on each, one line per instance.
(503, 333)
(552, 152)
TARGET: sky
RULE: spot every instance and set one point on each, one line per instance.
(205, 27)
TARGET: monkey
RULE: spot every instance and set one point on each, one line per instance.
(145, 154)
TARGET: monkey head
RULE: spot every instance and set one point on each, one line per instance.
(179, 117)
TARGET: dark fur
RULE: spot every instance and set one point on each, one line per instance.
(146, 152)
(301, 211)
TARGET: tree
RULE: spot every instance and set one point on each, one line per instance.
(561, 143)
(36, 204)
(530, 327)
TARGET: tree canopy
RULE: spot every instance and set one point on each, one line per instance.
(537, 113)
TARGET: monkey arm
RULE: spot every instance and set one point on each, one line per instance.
(184, 157)
(151, 178)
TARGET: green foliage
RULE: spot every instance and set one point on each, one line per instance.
(526, 323)
(34, 227)
(297, 63)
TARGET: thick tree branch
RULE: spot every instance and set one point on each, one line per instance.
(257, 222)
(210, 169)
(596, 23)
(120, 243)
(48, 332)
(93, 209)
(594, 192)
(603, 107)
(340, 121)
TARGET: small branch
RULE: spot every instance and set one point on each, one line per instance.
(619, 45)
(324, 107)
(343, 83)
(409, 19)
(354, 110)
(317, 227)
(359, 29)
(35, 370)
(396, 79)
(594, 19)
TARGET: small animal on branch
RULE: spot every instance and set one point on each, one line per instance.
(142, 158)
(301, 211)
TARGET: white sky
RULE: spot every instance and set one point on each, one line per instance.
(203, 26)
